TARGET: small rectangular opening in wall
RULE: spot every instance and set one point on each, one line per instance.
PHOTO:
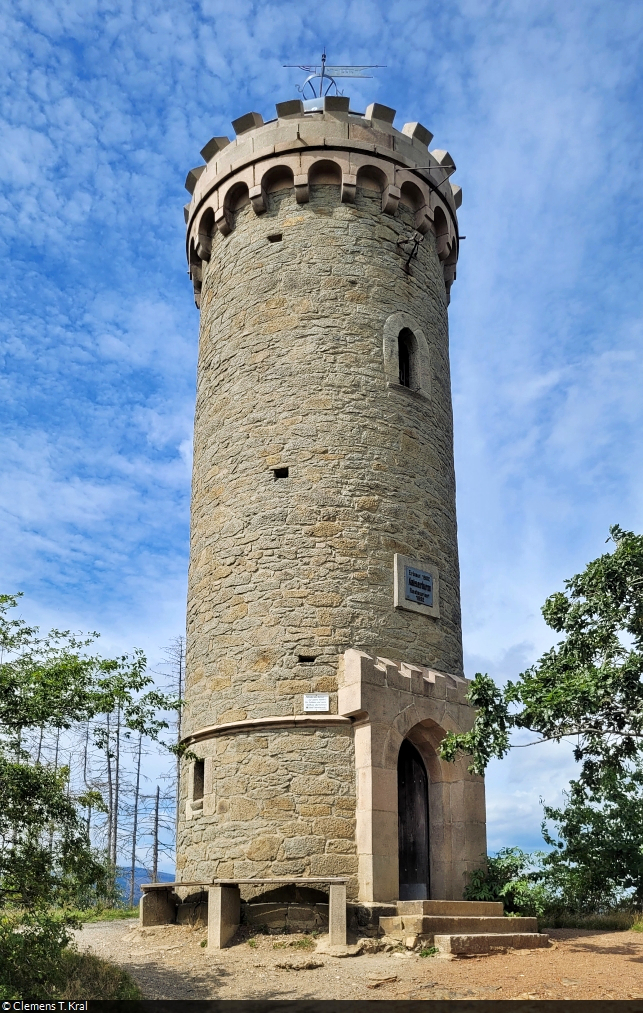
(280, 473)
(275, 237)
(306, 659)
(198, 778)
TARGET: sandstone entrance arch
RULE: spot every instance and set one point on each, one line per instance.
(391, 703)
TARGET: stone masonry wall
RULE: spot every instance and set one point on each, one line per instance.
(280, 803)
(291, 375)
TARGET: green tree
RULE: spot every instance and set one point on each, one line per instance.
(597, 845)
(47, 863)
(589, 686)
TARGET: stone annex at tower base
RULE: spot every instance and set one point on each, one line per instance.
(324, 648)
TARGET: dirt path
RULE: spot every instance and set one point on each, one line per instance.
(168, 962)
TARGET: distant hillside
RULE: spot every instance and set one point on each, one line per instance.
(140, 876)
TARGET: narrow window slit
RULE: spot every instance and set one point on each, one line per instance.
(280, 473)
(275, 237)
(198, 778)
(405, 348)
(306, 659)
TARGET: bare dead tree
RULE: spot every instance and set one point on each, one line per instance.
(155, 845)
(135, 818)
(175, 654)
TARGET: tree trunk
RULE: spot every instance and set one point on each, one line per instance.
(117, 771)
(51, 830)
(110, 791)
(85, 757)
(135, 826)
(155, 856)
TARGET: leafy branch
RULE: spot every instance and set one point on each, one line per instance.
(590, 685)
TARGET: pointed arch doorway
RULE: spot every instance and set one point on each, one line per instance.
(412, 823)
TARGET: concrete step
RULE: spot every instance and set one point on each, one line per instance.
(450, 907)
(401, 926)
(464, 945)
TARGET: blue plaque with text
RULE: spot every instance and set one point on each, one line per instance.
(418, 586)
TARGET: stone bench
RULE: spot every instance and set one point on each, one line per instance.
(158, 904)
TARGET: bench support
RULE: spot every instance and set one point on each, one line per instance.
(337, 914)
(224, 912)
(157, 907)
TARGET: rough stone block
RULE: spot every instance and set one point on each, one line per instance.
(418, 133)
(337, 915)
(224, 908)
(336, 104)
(294, 107)
(307, 917)
(379, 112)
(466, 945)
(192, 177)
(213, 147)
(443, 158)
(157, 907)
(249, 121)
(273, 916)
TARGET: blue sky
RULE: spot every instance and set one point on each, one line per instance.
(104, 109)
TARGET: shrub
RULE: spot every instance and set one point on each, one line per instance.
(512, 877)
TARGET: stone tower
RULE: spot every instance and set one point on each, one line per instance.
(324, 658)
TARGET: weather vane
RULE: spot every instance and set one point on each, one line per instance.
(327, 75)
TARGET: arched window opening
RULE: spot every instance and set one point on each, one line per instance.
(407, 360)
(413, 823)
(405, 346)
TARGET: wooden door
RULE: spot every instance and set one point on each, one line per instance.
(413, 823)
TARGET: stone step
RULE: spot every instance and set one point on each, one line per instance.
(428, 925)
(450, 907)
(463, 945)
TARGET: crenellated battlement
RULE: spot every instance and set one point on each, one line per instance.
(368, 684)
(330, 144)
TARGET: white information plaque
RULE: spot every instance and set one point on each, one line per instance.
(317, 702)
(416, 586)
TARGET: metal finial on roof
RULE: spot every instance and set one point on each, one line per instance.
(326, 76)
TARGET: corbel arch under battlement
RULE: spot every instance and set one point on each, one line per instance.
(372, 177)
(346, 168)
(443, 229)
(325, 170)
(205, 231)
(235, 195)
(278, 177)
(413, 196)
(196, 272)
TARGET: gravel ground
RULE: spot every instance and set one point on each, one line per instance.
(168, 962)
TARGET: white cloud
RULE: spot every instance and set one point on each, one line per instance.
(106, 107)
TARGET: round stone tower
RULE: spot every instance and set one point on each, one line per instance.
(324, 651)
